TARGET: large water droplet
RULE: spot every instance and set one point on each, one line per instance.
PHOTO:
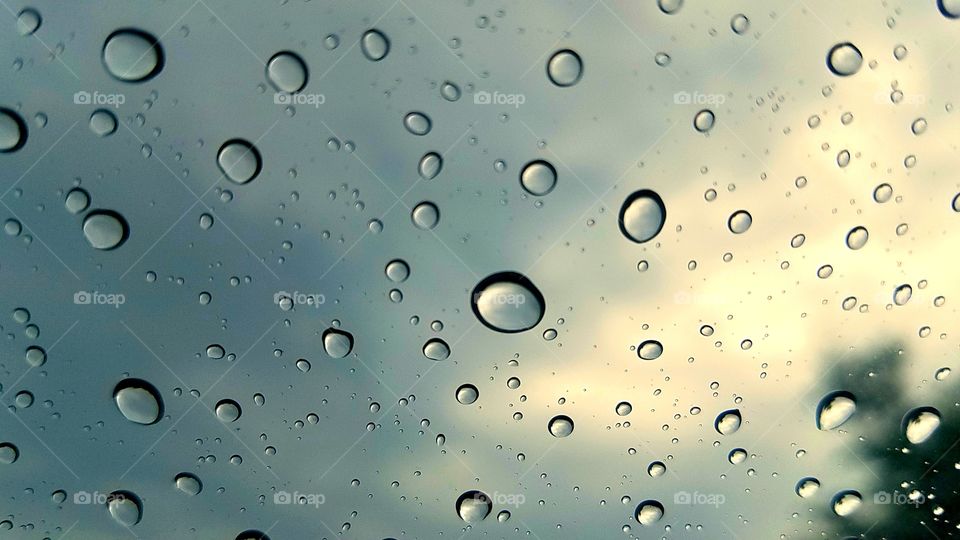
(28, 21)
(949, 8)
(397, 271)
(642, 216)
(844, 59)
(417, 123)
(287, 72)
(188, 483)
(834, 409)
(337, 343)
(239, 160)
(508, 302)
(740, 222)
(132, 55)
(538, 178)
(9, 453)
(902, 294)
(565, 68)
(13, 131)
(703, 121)
(138, 401)
(560, 426)
(728, 422)
(648, 512)
(125, 508)
(425, 215)
(846, 502)
(105, 229)
(374, 45)
(919, 424)
(430, 166)
(857, 237)
(474, 506)
(436, 349)
(228, 410)
(650, 349)
(806, 487)
(467, 394)
(103, 123)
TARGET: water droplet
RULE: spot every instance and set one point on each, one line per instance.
(28, 21)
(132, 55)
(902, 294)
(13, 131)
(188, 483)
(882, 193)
(846, 502)
(228, 410)
(919, 424)
(565, 68)
(949, 8)
(287, 72)
(857, 237)
(806, 487)
(474, 506)
(560, 426)
(397, 271)
(125, 508)
(728, 422)
(942, 374)
(670, 6)
(467, 394)
(642, 216)
(430, 166)
(508, 302)
(740, 23)
(844, 59)
(337, 343)
(703, 121)
(239, 160)
(835, 409)
(650, 350)
(425, 215)
(450, 91)
(624, 408)
(436, 349)
(417, 123)
(739, 222)
(538, 178)
(737, 456)
(105, 229)
(103, 123)
(375, 45)
(656, 468)
(9, 453)
(138, 401)
(36, 356)
(648, 512)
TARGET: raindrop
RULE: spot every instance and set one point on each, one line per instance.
(337, 343)
(28, 21)
(728, 422)
(239, 160)
(287, 72)
(565, 68)
(125, 508)
(835, 409)
(103, 123)
(919, 424)
(138, 401)
(13, 131)
(425, 215)
(670, 6)
(430, 166)
(949, 8)
(739, 222)
(436, 349)
(902, 294)
(857, 237)
(740, 23)
(538, 178)
(9, 453)
(188, 483)
(417, 123)
(846, 502)
(560, 426)
(642, 216)
(507, 302)
(703, 121)
(474, 506)
(649, 350)
(624, 408)
(374, 45)
(228, 410)
(648, 512)
(844, 59)
(105, 229)
(397, 271)
(806, 487)
(467, 394)
(132, 55)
